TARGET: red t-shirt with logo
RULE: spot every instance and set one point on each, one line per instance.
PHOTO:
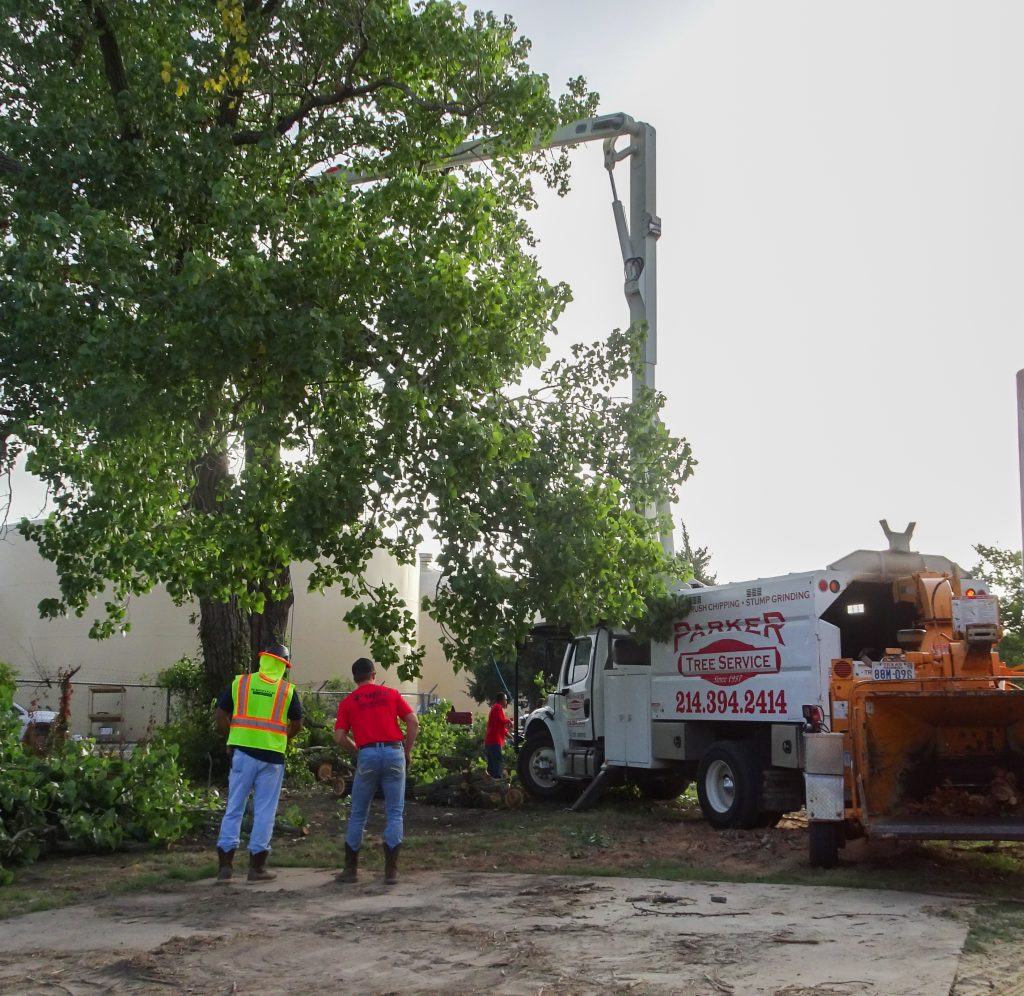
(371, 713)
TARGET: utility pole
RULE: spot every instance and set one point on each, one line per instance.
(1020, 455)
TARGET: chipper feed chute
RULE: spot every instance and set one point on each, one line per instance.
(939, 758)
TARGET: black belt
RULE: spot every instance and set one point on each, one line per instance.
(385, 743)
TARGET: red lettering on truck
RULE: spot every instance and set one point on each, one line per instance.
(728, 662)
(768, 625)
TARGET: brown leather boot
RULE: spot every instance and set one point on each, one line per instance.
(224, 871)
(257, 871)
(350, 872)
(391, 864)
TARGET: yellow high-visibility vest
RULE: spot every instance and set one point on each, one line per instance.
(260, 717)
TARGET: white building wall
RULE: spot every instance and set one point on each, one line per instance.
(161, 633)
(438, 676)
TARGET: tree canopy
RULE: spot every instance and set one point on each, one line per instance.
(220, 366)
(1001, 569)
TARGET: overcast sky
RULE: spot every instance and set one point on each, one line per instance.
(840, 292)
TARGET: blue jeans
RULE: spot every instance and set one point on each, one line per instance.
(263, 780)
(492, 753)
(376, 768)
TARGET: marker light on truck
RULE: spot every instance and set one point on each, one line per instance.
(970, 593)
(842, 669)
(814, 717)
(833, 586)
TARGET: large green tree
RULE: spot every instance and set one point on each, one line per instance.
(220, 366)
(1001, 569)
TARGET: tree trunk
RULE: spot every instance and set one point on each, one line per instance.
(272, 625)
(223, 636)
(229, 639)
(223, 633)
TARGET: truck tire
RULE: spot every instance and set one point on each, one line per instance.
(729, 786)
(823, 841)
(536, 767)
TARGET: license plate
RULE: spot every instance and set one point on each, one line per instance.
(892, 672)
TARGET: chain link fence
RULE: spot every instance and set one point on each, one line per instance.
(127, 713)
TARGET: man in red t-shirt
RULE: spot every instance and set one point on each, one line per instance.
(494, 739)
(367, 722)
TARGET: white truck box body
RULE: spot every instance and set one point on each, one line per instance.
(754, 651)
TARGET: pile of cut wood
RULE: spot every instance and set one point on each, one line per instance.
(472, 789)
(330, 768)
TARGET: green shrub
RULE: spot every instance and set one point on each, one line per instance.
(92, 800)
(75, 794)
(438, 738)
(192, 731)
(316, 738)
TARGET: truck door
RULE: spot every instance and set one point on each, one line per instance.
(576, 693)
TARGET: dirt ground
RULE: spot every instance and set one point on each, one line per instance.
(488, 902)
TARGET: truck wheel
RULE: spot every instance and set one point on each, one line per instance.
(536, 767)
(823, 843)
(729, 786)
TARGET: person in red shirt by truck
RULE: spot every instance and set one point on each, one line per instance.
(494, 739)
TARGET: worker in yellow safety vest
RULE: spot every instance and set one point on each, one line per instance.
(259, 713)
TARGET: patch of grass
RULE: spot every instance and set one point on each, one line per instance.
(581, 841)
(309, 852)
(40, 887)
(153, 881)
(669, 872)
(17, 900)
(994, 924)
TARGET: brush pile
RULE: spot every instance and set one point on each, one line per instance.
(1002, 797)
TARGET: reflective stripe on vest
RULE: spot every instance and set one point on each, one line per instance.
(256, 722)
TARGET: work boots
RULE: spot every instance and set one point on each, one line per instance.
(350, 872)
(257, 871)
(391, 864)
(225, 858)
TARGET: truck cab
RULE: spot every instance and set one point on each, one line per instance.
(598, 718)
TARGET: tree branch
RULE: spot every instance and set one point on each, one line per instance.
(342, 94)
(113, 65)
